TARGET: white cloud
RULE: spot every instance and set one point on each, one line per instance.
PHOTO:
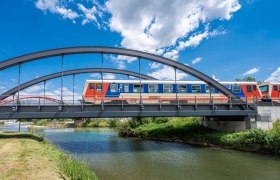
(90, 15)
(33, 89)
(109, 76)
(167, 73)
(251, 71)
(57, 7)
(275, 76)
(154, 65)
(196, 60)
(152, 25)
(105, 76)
(214, 77)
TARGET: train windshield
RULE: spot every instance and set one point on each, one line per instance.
(264, 88)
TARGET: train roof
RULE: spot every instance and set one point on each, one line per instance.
(164, 82)
(269, 83)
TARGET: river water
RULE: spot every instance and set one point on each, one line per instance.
(112, 157)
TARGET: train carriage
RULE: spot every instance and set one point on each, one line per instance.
(155, 91)
(270, 91)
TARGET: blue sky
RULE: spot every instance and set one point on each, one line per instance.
(225, 39)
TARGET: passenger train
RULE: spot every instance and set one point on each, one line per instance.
(270, 91)
(153, 91)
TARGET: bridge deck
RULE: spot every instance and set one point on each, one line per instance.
(113, 110)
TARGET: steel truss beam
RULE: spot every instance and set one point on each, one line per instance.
(71, 72)
(120, 51)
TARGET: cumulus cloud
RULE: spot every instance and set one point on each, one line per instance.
(105, 76)
(167, 73)
(90, 14)
(215, 78)
(251, 71)
(275, 76)
(196, 60)
(161, 27)
(56, 7)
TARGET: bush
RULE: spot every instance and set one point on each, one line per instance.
(276, 126)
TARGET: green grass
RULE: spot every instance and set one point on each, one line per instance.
(67, 165)
(190, 130)
(72, 168)
(19, 135)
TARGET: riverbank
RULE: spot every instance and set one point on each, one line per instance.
(189, 130)
(26, 156)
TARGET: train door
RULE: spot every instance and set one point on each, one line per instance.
(249, 91)
(275, 92)
(98, 90)
(255, 91)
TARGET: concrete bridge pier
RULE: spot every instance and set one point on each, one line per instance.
(229, 124)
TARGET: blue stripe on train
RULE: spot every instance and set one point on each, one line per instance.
(160, 89)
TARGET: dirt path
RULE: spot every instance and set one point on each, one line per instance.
(25, 159)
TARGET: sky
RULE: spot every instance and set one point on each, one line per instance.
(225, 39)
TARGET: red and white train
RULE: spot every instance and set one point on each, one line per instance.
(153, 91)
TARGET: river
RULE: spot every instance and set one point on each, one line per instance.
(112, 157)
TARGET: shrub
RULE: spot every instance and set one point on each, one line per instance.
(276, 127)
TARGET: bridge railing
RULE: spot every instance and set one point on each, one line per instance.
(73, 100)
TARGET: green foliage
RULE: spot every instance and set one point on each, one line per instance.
(40, 122)
(246, 79)
(190, 130)
(90, 122)
(276, 126)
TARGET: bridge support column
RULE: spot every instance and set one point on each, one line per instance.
(225, 124)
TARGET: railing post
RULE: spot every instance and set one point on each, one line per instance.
(122, 102)
(39, 106)
(102, 74)
(82, 102)
(160, 103)
(139, 71)
(230, 102)
(73, 89)
(213, 105)
(19, 76)
(44, 92)
(195, 103)
(247, 102)
(61, 82)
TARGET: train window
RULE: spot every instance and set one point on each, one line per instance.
(114, 87)
(138, 88)
(126, 87)
(98, 87)
(153, 88)
(207, 89)
(236, 89)
(264, 88)
(275, 88)
(249, 88)
(279, 88)
(196, 89)
(168, 88)
(182, 88)
(254, 87)
(91, 86)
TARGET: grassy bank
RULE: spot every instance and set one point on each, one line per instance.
(189, 130)
(22, 157)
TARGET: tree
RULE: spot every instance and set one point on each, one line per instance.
(246, 79)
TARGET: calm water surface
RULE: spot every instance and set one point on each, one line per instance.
(112, 157)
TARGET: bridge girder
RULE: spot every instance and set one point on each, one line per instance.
(71, 72)
(120, 51)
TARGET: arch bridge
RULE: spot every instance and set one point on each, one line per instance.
(233, 106)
